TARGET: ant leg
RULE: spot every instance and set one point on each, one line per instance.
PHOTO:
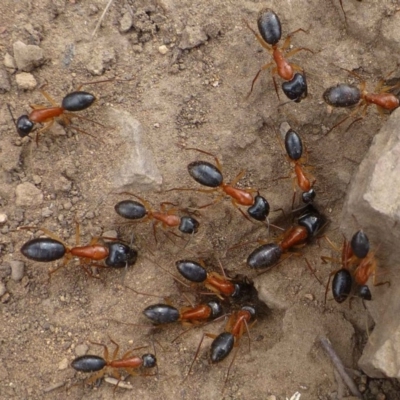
(295, 51)
(49, 98)
(313, 271)
(105, 355)
(116, 351)
(46, 232)
(263, 68)
(95, 377)
(219, 166)
(238, 177)
(46, 127)
(275, 84)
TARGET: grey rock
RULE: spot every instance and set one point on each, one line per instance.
(25, 81)
(192, 36)
(272, 291)
(27, 57)
(5, 270)
(374, 199)
(17, 270)
(126, 22)
(135, 168)
(9, 61)
(81, 349)
(3, 288)
(3, 218)
(100, 60)
(5, 85)
(28, 195)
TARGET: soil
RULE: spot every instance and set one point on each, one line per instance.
(196, 98)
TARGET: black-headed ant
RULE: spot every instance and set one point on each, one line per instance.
(129, 363)
(138, 212)
(344, 95)
(115, 254)
(210, 175)
(270, 34)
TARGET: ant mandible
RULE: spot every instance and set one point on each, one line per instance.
(72, 102)
(344, 95)
(91, 363)
(116, 254)
(270, 30)
(135, 211)
(210, 175)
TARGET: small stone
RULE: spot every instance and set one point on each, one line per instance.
(89, 215)
(67, 205)
(6, 298)
(17, 270)
(47, 212)
(5, 85)
(36, 179)
(362, 388)
(192, 36)
(5, 270)
(9, 61)
(3, 218)
(63, 364)
(309, 296)
(156, 125)
(126, 22)
(163, 49)
(111, 234)
(28, 195)
(100, 60)
(25, 81)
(271, 397)
(27, 57)
(93, 9)
(3, 289)
(81, 349)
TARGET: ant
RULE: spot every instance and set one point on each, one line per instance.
(344, 95)
(357, 262)
(310, 222)
(210, 175)
(223, 344)
(134, 210)
(304, 180)
(90, 363)
(165, 314)
(296, 89)
(116, 254)
(72, 102)
(218, 284)
(270, 30)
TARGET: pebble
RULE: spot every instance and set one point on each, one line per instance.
(192, 36)
(272, 397)
(5, 85)
(3, 218)
(63, 364)
(27, 57)
(5, 270)
(3, 288)
(9, 61)
(17, 270)
(125, 23)
(309, 296)
(110, 234)
(81, 349)
(163, 49)
(28, 195)
(25, 81)
(47, 212)
(37, 180)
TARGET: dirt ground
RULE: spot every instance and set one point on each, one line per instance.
(196, 98)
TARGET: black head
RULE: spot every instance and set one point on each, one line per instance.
(260, 209)
(191, 270)
(360, 244)
(130, 209)
(88, 363)
(308, 197)
(342, 95)
(216, 309)
(250, 309)
(24, 126)
(296, 89)
(120, 255)
(205, 173)
(312, 220)
(189, 225)
(149, 360)
(364, 292)
(269, 26)
(293, 145)
(77, 101)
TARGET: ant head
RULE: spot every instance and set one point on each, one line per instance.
(216, 308)
(120, 255)
(250, 309)
(308, 197)
(364, 292)
(149, 360)
(189, 225)
(260, 209)
(24, 126)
